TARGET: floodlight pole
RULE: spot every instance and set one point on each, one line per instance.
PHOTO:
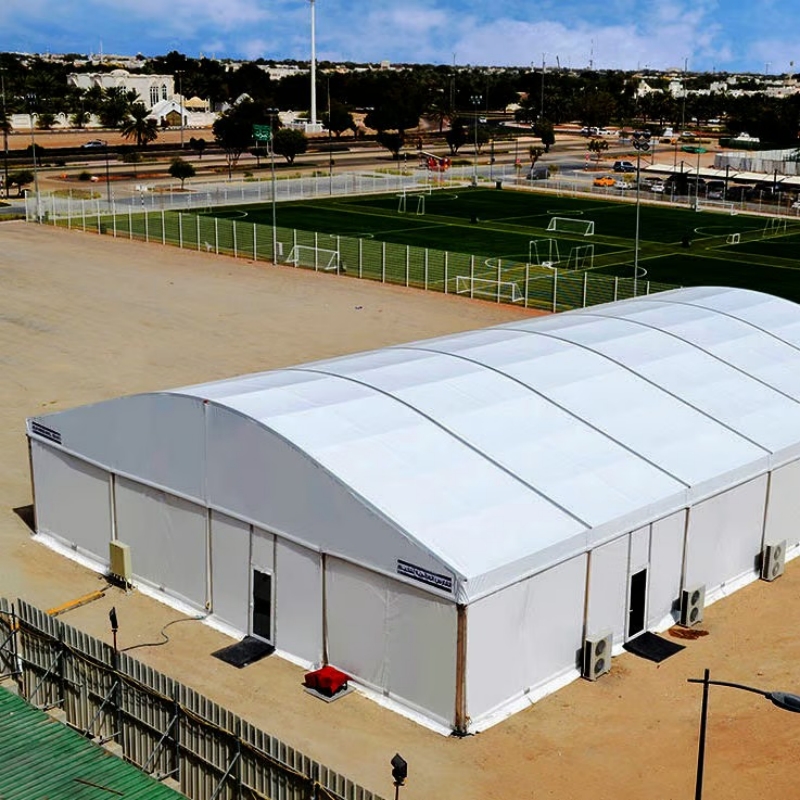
(641, 142)
(272, 112)
(5, 129)
(476, 100)
(108, 177)
(31, 98)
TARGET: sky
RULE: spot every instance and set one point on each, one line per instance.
(757, 36)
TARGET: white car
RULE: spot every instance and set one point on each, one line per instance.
(94, 143)
(657, 187)
(621, 183)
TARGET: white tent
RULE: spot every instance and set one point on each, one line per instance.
(447, 521)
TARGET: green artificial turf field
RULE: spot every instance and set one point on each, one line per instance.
(678, 246)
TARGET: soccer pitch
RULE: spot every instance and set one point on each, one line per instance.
(677, 246)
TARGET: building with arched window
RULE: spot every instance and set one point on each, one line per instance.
(151, 89)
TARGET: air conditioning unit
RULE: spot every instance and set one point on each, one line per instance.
(597, 655)
(692, 603)
(119, 558)
(773, 559)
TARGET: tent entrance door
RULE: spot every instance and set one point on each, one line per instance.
(637, 603)
(261, 609)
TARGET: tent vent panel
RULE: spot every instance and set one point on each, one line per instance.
(597, 655)
(119, 557)
(773, 560)
(692, 604)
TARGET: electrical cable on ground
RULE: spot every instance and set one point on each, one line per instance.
(163, 634)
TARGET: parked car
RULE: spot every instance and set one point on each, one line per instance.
(604, 180)
(621, 183)
(796, 204)
(540, 173)
(656, 186)
(715, 190)
(94, 143)
(624, 166)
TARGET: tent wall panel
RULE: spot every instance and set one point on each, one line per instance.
(168, 539)
(73, 500)
(261, 477)
(640, 550)
(724, 536)
(263, 551)
(524, 636)
(230, 573)
(608, 588)
(392, 637)
(783, 507)
(158, 438)
(666, 566)
(298, 603)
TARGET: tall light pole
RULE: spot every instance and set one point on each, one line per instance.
(108, 176)
(641, 141)
(330, 142)
(313, 113)
(476, 101)
(541, 112)
(31, 100)
(272, 112)
(5, 129)
(784, 700)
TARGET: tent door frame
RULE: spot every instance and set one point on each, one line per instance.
(262, 581)
(636, 622)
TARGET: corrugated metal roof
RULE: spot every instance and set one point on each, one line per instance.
(42, 758)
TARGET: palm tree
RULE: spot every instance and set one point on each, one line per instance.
(138, 126)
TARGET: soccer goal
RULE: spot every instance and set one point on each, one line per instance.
(306, 255)
(716, 205)
(773, 226)
(543, 253)
(581, 227)
(733, 238)
(581, 257)
(489, 288)
(417, 202)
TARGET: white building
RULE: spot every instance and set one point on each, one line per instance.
(450, 521)
(151, 89)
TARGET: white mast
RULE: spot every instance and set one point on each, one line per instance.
(313, 117)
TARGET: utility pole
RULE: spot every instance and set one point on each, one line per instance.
(541, 113)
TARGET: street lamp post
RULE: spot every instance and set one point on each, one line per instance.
(641, 142)
(180, 94)
(476, 101)
(784, 700)
(31, 100)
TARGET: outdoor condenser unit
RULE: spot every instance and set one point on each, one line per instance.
(597, 655)
(119, 557)
(692, 604)
(773, 559)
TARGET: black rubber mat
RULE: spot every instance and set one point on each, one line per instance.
(653, 647)
(248, 651)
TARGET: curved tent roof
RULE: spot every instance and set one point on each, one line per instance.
(503, 450)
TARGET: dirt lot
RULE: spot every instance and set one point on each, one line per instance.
(84, 318)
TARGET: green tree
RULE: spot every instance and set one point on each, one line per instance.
(139, 126)
(339, 120)
(181, 170)
(289, 143)
(198, 145)
(456, 137)
(535, 153)
(79, 118)
(393, 141)
(233, 130)
(544, 130)
(45, 120)
(597, 146)
(20, 179)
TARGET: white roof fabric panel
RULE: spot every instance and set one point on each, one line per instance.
(500, 450)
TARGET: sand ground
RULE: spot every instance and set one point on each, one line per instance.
(84, 318)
